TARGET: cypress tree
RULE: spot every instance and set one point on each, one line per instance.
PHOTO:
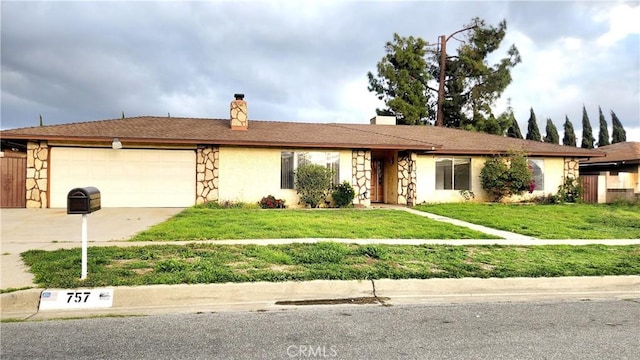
(587, 132)
(569, 138)
(618, 135)
(603, 135)
(551, 133)
(514, 129)
(508, 121)
(533, 133)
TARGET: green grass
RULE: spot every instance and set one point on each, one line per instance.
(568, 221)
(9, 290)
(210, 263)
(204, 224)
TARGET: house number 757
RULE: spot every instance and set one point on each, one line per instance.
(78, 296)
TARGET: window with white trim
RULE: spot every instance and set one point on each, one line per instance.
(537, 166)
(453, 173)
(290, 160)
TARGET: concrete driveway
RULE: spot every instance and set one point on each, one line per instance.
(51, 229)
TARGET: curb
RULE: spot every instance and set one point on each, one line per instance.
(262, 296)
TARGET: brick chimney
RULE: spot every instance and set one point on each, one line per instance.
(239, 119)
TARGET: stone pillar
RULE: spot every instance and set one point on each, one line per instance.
(239, 115)
(571, 168)
(407, 178)
(207, 164)
(37, 174)
(361, 170)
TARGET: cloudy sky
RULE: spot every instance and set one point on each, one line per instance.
(297, 60)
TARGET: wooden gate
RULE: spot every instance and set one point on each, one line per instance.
(13, 175)
(589, 185)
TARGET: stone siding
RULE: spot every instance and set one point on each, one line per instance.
(407, 178)
(239, 115)
(571, 168)
(361, 170)
(207, 168)
(37, 174)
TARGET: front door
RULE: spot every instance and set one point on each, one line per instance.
(377, 181)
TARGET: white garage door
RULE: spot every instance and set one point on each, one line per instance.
(125, 177)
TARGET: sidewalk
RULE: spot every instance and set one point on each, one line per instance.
(264, 296)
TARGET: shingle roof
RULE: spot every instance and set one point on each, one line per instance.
(165, 130)
(623, 151)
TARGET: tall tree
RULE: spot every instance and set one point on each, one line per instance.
(509, 120)
(618, 135)
(587, 132)
(471, 84)
(533, 133)
(402, 80)
(603, 135)
(569, 137)
(551, 135)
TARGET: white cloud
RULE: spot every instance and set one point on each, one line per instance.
(623, 20)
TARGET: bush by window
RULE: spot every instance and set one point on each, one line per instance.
(290, 161)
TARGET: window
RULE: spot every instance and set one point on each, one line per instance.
(453, 173)
(537, 166)
(289, 162)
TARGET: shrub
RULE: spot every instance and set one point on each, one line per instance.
(343, 194)
(504, 176)
(570, 191)
(467, 195)
(270, 202)
(312, 183)
(226, 204)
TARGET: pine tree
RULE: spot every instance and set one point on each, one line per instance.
(618, 135)
(551, 133)
(587, 132)
(603, 135)
(401, 81)
(569, 138)
(533, 133)
(472, 84)
(41, 122)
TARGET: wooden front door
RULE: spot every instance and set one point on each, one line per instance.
(13, 172)
(377, 181)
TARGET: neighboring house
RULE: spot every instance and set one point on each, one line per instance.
(174, 162)
(614, 176)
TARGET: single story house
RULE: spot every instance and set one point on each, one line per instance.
(615, 176)
(152, 161)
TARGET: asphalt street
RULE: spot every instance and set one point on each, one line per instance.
(534, 330)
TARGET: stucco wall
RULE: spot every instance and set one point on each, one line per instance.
(248, 174)
(426, 189)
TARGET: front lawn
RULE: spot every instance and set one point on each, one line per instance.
(568, 221)
(199, 223)
(207, 263)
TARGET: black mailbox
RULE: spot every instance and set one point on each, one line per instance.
(83, 200)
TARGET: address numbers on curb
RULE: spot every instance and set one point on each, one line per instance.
(76, 299)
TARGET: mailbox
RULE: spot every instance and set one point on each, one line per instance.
(83, 200)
